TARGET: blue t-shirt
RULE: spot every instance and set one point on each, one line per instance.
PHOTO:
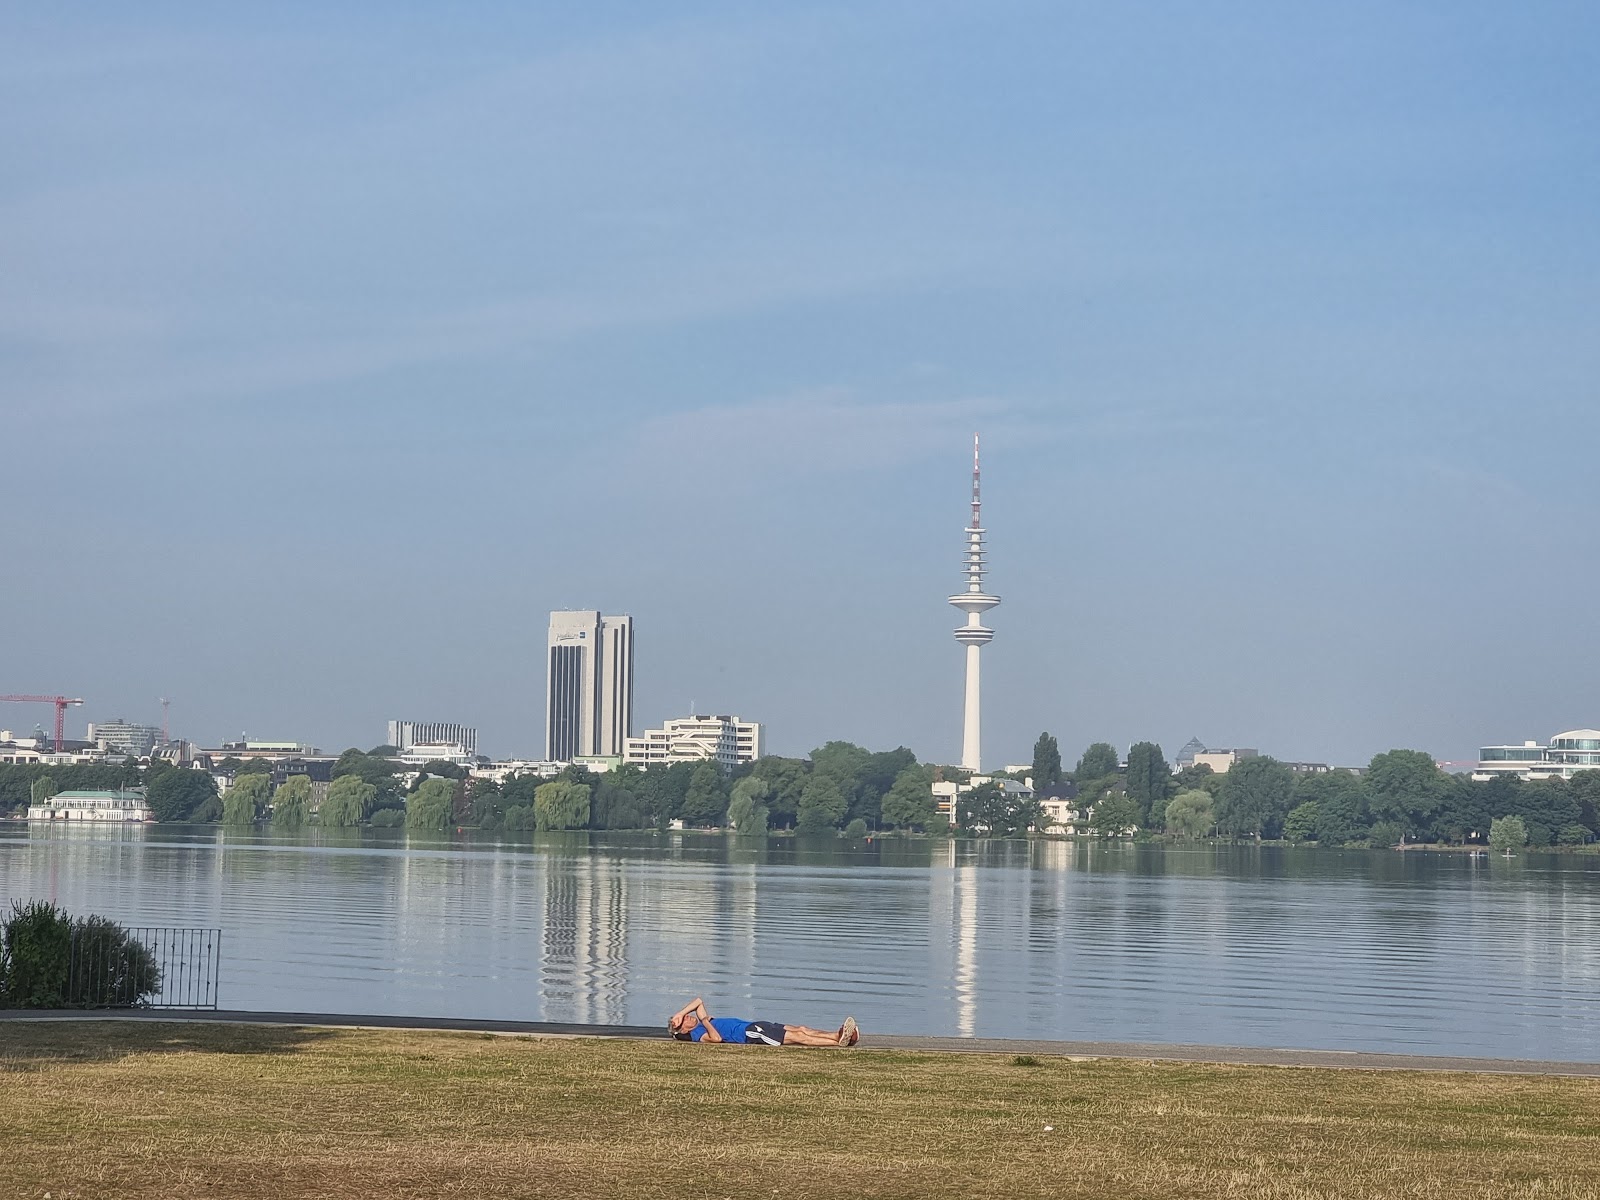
(731, 1029)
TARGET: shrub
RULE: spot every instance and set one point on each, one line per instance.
(389, 818)
(49, 960)
(856, 829)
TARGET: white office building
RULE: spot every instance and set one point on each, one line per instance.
(588, 685)
(1570, 752)
(405, 735)
(725, 740)
(124, 737)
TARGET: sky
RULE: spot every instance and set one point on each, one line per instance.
(339, 345)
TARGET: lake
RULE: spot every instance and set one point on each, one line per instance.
(1407, 952)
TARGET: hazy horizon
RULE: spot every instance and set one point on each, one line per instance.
(337, 348)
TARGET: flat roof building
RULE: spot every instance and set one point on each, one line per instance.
(1568, 753)
(728, 741)
(588, 685)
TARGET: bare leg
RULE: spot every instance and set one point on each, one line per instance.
(801, 1035)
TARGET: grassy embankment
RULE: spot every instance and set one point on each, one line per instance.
(135, 1110)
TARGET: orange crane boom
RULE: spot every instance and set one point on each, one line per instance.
(61, 703)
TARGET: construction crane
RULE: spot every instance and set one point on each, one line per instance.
(62, 703)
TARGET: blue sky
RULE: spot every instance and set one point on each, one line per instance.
(338, 347)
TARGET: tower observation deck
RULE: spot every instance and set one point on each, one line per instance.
(974, 635)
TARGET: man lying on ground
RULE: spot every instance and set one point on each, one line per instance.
(692, 1023)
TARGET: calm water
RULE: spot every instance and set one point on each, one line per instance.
(1242, 946)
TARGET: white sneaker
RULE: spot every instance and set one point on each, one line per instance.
(849, 1032)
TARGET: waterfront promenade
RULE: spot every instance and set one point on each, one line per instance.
(1146, 1051)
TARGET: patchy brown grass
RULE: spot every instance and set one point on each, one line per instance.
(136, 1110)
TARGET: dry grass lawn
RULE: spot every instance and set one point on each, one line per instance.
(138, 1110)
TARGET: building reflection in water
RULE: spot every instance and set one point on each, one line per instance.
(583, 968)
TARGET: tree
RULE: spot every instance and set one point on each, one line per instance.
(990, 809)
(348, 802)
(291, 803)
(429, 806)
(1190, 814)
(787, 778)
(1341, 806)
(909, 803)
(44, 788)
(856, 830)
(1098, 761)
(1198, 775)
(746, 813)
(706, 801)
(1114, 816)
(822, 807)
(1508, 834)
(1406, 788)
(246, 800)
(177, 794)
(256, 766)
(1148, 779)
(561, 804)
(1046, 762)
(1254, 798)
(1301, 823)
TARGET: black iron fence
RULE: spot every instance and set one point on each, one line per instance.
(126, 966)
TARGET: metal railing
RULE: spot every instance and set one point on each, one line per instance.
(143, 967)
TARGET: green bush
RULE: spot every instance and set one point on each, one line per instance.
(49, 960)
(388, 818)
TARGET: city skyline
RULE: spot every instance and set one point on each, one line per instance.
(1278, 324)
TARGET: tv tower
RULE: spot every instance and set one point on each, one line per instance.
(973, 635)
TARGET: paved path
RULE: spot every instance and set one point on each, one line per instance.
(1239, 1055)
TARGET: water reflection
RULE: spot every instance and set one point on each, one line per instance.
(1249, 945)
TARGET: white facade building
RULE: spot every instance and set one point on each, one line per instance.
(128, 805)
(1570, 752)
(421, 753)
(725, 740)
(124, 737)
(588, 685)
(403, 735)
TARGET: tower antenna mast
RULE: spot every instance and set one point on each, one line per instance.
(974, 601)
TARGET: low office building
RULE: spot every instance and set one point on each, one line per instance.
(126, 805)
(1220, 760)
(1568, 753)
(406, 735)
(419, 754)
(267, 751)
(728, 741)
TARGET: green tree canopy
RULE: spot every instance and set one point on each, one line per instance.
(348, 802)
(909, 803)
(990, 810)
(1114, 816)
(429, 806)
(1302, 822)
(44, 788)
(1191, 814)
(746, 813)
(1148, 780)
(1341, 806)
(822, 807)
(255, 766)
(1046, 762)
(1098, 761)
(706, 800)
(561, 804)
(1254, 798)
(1507, 834)
(177, 794)
(1406, 788)
(788, 778)
(291, 803)
(246, 800)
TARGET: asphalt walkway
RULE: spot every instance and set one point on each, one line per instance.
(1234, 1055)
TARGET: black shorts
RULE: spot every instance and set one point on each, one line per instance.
(764, 1033)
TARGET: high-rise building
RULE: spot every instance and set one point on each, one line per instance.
(403, 735)
(588, 685)
(973, 635)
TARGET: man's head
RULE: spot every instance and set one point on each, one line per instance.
(681, 1026)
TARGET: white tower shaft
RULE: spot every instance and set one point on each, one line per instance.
(973, 635)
